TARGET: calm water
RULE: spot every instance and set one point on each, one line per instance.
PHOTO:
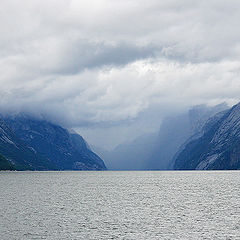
(119, 205)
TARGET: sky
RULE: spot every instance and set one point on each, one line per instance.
(112, 69)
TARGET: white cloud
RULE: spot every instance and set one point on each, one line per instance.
(88, 62)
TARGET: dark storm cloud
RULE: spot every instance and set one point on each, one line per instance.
(82, 55)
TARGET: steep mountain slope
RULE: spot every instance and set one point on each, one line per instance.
(175, 131)
(5, 164)
(18, 154)
(155, 152)
(88, 156)
(40, 145)
(217, 148)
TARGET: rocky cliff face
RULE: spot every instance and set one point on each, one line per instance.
(175, 132)
(156, 151)
(52, 146)
(217, 148)
(18, 154)
(5, 164)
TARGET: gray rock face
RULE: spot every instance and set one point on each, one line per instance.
(173, 132)
(217, 148)
(157, 151)
(176, 131)
(51, 144)
(18, 154)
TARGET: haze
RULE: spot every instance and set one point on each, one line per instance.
(112, 70)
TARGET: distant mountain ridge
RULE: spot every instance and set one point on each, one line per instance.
(32, 144)
(157, 151)
(217, 148)
(130, 155)
(176, 130)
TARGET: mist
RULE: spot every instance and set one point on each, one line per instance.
(156, 151)
(112, 71)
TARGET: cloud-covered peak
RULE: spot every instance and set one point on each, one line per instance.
(92, 62)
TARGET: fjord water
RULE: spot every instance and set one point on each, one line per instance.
(120, 205)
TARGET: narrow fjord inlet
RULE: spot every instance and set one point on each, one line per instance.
(119, 120)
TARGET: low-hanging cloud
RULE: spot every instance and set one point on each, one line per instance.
(92, 62)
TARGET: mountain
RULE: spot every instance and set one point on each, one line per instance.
(34, 144)
(217, 148)
(175, 131)
(130, 155)
(18, 154)
(157, 151)
(5, 164)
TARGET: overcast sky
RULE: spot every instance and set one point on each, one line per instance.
(102, 65)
